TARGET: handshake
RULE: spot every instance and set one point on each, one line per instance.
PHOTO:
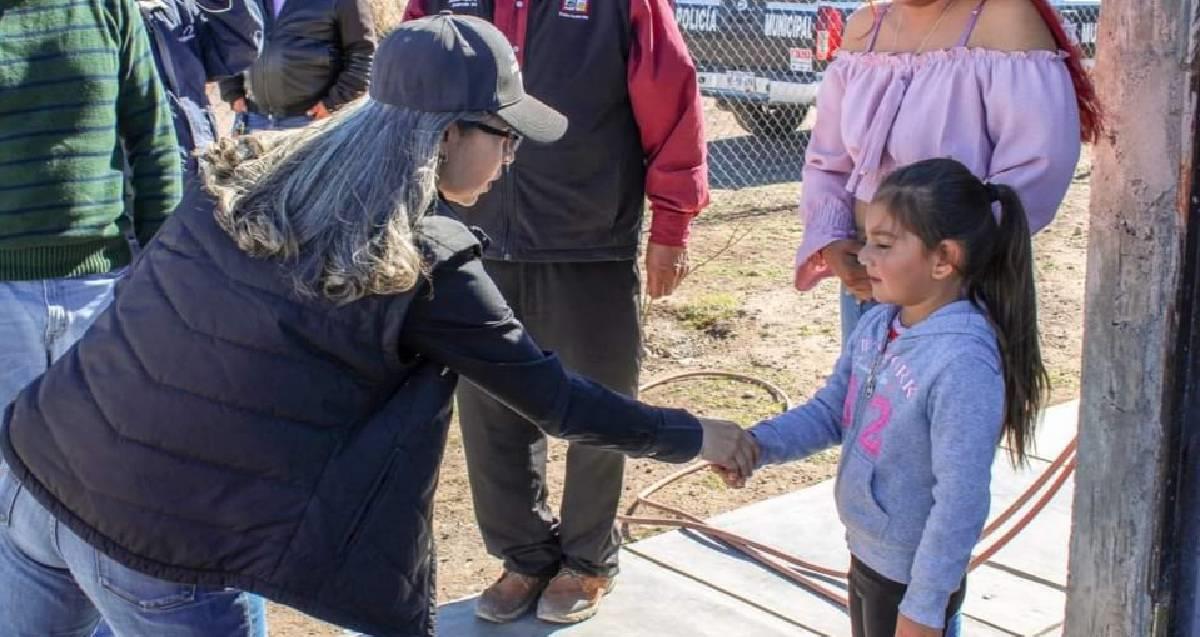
(732, 451)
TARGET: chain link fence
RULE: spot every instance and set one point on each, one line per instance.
(759, 63)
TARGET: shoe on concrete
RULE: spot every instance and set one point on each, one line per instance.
(572, 597)
(510, 597)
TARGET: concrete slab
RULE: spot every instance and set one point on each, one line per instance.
(803, 523)
(974, 628)
(1040, 552)
(1011, 603)
(1056, 429)
(1020, 593)
(686, 585)
(649, 601)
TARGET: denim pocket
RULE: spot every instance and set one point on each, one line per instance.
(141, 590)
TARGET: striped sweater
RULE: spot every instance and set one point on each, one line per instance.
(80, 101)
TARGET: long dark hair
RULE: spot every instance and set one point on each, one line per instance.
(940, 200)
(1091, 115)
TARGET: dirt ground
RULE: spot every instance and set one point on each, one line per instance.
(738, 312)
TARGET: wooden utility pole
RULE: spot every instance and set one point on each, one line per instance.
(1130, 574)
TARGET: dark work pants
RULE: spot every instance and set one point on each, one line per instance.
(587, 313)
(875, 603)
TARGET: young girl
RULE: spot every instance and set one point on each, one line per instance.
(929, 381)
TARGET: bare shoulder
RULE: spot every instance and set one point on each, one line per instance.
(857, 33)
(1012, 25)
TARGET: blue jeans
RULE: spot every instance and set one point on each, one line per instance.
(852, 310)
(254, 607)
(250, 122)
(53, 583)
(39, 322)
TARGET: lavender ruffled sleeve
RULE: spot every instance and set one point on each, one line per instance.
(1033, 121)
(826, 207)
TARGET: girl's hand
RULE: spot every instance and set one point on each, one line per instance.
(906, 627)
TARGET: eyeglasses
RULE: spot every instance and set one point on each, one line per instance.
(514, 138)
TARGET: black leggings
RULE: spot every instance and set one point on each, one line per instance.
(875, 601)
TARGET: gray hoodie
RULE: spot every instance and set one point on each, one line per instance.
(919, 420)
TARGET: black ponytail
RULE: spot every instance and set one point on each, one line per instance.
(1004, 287)
(940, 200)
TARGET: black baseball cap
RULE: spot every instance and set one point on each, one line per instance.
(446, 63)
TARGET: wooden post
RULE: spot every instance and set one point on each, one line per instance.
(1142, 182)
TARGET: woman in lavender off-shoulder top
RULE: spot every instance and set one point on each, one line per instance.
(994, 84)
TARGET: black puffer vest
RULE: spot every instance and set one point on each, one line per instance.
(334, 460)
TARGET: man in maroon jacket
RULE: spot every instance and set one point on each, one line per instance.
(565, 222)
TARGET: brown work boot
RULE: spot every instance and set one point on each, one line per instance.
(572, 597)
(509, 598)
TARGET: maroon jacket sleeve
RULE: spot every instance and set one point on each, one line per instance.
(415, 9)
(666, 104)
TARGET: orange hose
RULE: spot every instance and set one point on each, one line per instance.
(1033, 488)
(1064, 465)
(1026, 519)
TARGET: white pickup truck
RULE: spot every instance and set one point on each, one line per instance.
(762, 59)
